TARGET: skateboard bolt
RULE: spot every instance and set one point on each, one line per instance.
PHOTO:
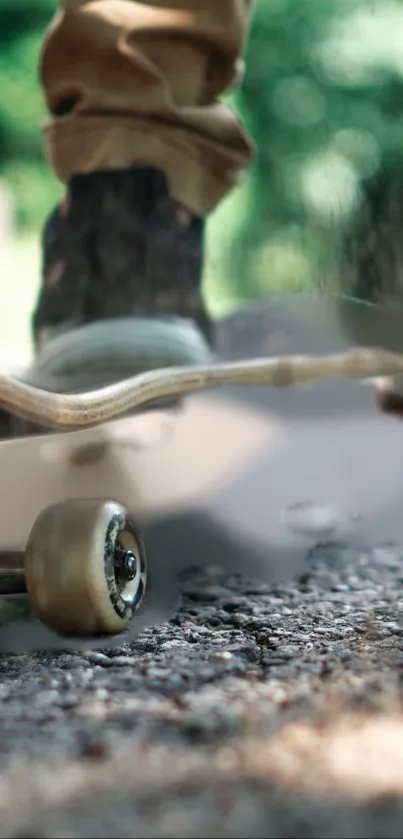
(126, 564)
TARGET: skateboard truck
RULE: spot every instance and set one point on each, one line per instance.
(84, 567)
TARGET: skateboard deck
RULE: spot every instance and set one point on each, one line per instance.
(248, 479)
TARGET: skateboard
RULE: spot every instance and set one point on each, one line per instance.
(114, 504)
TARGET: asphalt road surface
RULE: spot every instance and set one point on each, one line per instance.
(262, 709)
(259, 711)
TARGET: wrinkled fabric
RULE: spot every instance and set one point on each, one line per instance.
(138, 83)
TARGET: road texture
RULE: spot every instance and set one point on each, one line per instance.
(259, 711)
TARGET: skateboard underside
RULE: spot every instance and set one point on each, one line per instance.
(246, 479)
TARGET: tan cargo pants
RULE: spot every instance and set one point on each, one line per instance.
(130, 82)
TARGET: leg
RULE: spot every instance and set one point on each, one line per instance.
(146, 150)
(131, 83)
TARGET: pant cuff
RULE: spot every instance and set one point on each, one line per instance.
(200, 169)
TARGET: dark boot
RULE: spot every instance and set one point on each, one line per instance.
(121, 294)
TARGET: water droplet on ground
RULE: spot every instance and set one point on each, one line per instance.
(308, 519)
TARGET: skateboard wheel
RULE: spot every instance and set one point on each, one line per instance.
(85, 568)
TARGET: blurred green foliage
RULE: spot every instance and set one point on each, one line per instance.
(22, 111)
(321, 97)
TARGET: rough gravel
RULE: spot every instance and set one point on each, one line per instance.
(258, 711)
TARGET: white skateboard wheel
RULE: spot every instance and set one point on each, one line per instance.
(85, 568)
